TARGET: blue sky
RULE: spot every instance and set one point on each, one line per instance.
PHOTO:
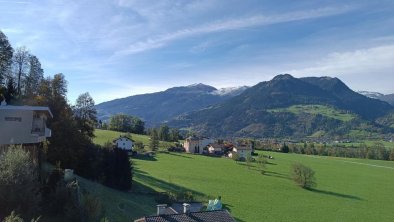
(118, 48)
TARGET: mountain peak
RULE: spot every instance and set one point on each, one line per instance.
(283, 77)
(194, 88)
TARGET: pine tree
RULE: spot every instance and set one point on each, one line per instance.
(154, 140)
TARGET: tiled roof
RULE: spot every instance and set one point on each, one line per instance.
(202, 216)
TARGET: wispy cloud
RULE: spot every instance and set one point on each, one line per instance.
(227, 25)
(377, 59)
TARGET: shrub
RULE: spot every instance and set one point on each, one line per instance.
(303, 176)
(18, 181)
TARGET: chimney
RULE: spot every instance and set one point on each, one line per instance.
(186, 208)
(161, 208)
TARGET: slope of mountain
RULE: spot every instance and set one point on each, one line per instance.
(373, 95)
(161, 106)
(389, 98)
(249, 114)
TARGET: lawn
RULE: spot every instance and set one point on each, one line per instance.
(348, 189)
(117, 205)
(103, 136)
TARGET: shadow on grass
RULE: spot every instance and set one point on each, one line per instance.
(144, 157)
(275, 174)
(334, 194)
(178, 155)
(151, 182)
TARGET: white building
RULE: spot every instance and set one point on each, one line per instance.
(215, 148)
(242, 151)
(196, 144)
(23, 124)
(124, 143)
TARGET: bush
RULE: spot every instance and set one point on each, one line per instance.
(303, 176)
(18, 181)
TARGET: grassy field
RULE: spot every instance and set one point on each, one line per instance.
(317, 109)
(103, 136)
(348, 189)
(117, 205)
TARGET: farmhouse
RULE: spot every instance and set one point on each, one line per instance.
(195, 144)
(242, 150)
(23, 124)
(215, 148)
(124, 143)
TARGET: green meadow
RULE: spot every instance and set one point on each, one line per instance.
(103, 136)
(317, 109)
(347, 189)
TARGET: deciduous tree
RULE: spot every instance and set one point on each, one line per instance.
(6, 53)
(85, 114)
(303, 176)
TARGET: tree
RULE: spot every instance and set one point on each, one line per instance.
(18, 181)
(303, 176)
(34, 77)
(154, 140)
(164, 133)
(6, 53)
(392, 155)
(117, 169)
(249, 160)
(85, 114)
(126, 123)
(285, 148)
(21, 63)
(10, 91)
(261, 163)
(174, 135)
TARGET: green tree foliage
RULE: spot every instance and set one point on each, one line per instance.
(117, 170)
(13, 217)
(34, 77)
(126, 123)
(6, 53)
(285, 148)
(303, 176)
(392, 155)
(154, 140)
(85, 114)
(164, 133)
(10, 92)
(261, 163)
(18, 181)
(174, 135)
(249, 160)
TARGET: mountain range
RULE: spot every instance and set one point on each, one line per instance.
(282, 107)
(155, 108)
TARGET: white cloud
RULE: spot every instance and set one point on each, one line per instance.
(226, 25)
(375, 60)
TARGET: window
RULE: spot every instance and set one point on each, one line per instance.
(15, 119)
